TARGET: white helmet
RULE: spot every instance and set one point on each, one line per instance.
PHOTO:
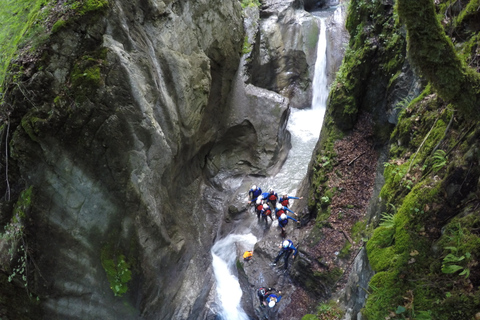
(283, 216)
(285, 195)
(259, 201)
(279, 206)
(285, 243)
(271, 304)
(270, 191)
(254, 187)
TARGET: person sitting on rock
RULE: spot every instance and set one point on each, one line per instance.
(283, 221)
(254, 193)
(284, 200)
(279, 210)
(286, 249)
(272, 198)
(263, 293)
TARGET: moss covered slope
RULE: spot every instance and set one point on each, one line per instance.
(425, 249)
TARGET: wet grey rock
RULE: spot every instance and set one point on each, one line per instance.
(354, 295)
(284, 53)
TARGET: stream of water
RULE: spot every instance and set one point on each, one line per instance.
(304, 126)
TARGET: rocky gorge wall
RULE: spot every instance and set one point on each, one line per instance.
(127, 132)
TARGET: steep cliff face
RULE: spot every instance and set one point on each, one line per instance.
(283, 58)
(118, 133)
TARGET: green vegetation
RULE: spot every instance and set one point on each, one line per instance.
(375, 38)
(326, 311)
(118, 271)
(426, 247)
(250, 3)
(434, 54)
(24, 25)
(15, 238)
(247, 46)
(17, 20)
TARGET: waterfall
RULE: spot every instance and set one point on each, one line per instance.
(304, 126)
(320, 90)
(224, 254)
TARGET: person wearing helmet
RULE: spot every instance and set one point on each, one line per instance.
(279, 210)
(254, 193)
(263, 293)
(286, 249)
(284, 200)
(272, 198)
(283, 221)
(266, 213)
(259, 207)
(272, 299)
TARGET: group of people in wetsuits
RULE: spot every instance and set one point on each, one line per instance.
(264, 202)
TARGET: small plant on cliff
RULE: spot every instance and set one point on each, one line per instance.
(14, 238)
(118, 272)
(407, 311)
(247, 47)
(250, 3)
(450, 262)
(439, 160)
(325, 200)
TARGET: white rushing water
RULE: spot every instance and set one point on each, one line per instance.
(224, 254)
(304, 126)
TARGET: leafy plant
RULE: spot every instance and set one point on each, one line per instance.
(387, 221)
(407, 311)
(118, 272)
(439, 160)
(325, 200)
(450, 261)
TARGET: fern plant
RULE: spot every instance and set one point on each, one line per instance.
(439, 160)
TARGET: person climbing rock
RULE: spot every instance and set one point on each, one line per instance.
(272, 198)
(263, 293)
(279, 210)
(266, 213)
(286, 249)
(254, 193)
(283, 221)
(284, 200)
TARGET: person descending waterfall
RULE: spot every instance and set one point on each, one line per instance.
(279, 210)
(266, 213)
(253, 194)
(259, 207)
(263, 293)
(286, 249)
(272, 198)
(283, 221)
(284, 200)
